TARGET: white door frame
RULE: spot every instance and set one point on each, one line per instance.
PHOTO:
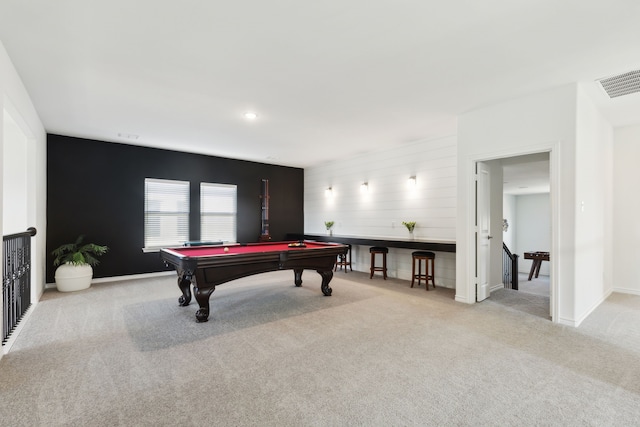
(554, 173)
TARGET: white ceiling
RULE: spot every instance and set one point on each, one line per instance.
(328, 78)
(526, 174)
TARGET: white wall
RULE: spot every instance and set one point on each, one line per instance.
(389, 201)
(626, 209)
(532, 225)
(509, 237)
(540, 122)
(15, 178)
(15, 103)
(594, 142)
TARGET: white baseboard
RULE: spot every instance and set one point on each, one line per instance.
(593, 307)
(496, 287)
(119, 278)
(567, 322)
(460, 298)
(134, 276)
(627, 291)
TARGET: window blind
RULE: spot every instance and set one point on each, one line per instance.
(218, 212)
(166, 212)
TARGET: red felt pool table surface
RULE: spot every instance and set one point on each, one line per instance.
(250, 248)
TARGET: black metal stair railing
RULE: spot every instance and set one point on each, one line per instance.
(509, 268)
(16, 280)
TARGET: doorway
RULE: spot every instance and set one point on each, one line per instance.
(519, 200)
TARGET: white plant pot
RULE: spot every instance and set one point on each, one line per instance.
(70, 278)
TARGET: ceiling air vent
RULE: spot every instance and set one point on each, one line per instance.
(622, 84)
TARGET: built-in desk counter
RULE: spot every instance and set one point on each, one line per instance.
(417, 244)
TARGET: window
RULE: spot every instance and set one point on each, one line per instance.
(218, 211)
(166, 212)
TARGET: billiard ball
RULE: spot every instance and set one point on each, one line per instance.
(226, 249)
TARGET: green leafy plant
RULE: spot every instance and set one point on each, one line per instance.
(410, 225)
(329, 224)
(78, 253)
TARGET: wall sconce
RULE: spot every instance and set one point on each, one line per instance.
(364, 187)
(412, 181)
(328, 192)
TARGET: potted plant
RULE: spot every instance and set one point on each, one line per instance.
(410, 226)
(329, 224)
(75, 262)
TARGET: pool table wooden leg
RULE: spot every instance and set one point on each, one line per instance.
(327, 275)
(297, 272)
(184, 283)
(202, 297)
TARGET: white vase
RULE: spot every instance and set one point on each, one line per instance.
(71, 278)
(411, 235)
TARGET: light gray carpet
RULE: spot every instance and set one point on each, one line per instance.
(533, 304)
(537, 285)
(376, 353)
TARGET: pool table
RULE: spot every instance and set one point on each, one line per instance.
(208, 266)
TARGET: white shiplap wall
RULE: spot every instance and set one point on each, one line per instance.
(389, 200)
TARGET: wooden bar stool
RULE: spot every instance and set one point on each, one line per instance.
(344, 260)
(379, 250)
(429, 258)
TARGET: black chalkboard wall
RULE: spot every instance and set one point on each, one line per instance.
(97, 189)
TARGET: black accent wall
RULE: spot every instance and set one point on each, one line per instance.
(97, 189)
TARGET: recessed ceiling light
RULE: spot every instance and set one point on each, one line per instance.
(128, 135)
(250, 115)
